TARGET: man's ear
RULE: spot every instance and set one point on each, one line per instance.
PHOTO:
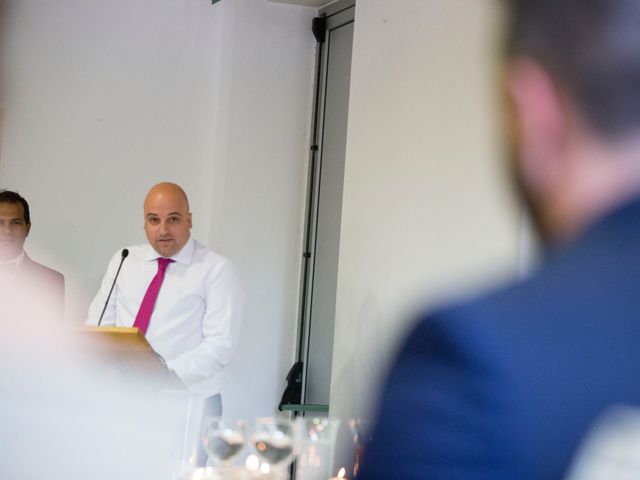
(541, 124)
(28, 228)
(189, 219)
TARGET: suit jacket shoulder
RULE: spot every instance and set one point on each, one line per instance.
(507, 385)
(35, 268)
(48, 283)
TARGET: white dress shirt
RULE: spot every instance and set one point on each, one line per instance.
(9, 268)
(15, 261)
(197, 315)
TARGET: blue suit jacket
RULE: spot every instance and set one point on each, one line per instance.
(506, 386)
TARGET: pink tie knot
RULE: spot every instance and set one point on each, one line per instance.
(163, 263)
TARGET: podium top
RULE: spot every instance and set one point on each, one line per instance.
(115, 339)
(126, 350)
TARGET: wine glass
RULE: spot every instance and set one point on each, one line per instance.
(274, 440)
(223, 441)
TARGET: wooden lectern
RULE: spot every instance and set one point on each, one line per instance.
(126, 352)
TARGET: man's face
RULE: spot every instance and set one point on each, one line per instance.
(167, 221)
(13, 230)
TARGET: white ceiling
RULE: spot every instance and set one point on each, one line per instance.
(305, 3)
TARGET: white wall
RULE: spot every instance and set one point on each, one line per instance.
(265, 144)
(426, 209)
(106, 97)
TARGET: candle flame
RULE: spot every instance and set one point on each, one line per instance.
(341, 472)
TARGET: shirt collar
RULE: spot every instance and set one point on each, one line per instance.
(183, 256)
(14, 261)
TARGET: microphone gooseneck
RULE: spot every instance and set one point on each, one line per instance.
(125, 253)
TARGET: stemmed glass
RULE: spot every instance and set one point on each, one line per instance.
(274, 441)
(223, 441)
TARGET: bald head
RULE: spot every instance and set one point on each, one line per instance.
(167, 220)
(167, 190)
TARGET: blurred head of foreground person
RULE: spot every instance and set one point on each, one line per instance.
(506, 385)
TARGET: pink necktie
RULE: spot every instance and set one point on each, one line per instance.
(148, 302)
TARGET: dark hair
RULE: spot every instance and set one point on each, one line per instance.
(7, 196)
(592, 50)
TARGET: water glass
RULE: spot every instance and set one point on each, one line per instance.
(223, 441)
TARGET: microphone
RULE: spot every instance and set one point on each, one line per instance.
(125, 253)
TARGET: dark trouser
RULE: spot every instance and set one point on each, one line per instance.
(212, 408)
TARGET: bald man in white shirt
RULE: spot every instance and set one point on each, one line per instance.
(197, 313)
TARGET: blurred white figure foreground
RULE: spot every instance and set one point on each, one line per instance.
(612, 449)
(66, 415)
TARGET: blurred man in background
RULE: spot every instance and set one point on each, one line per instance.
(21, 277)
(505, 386)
